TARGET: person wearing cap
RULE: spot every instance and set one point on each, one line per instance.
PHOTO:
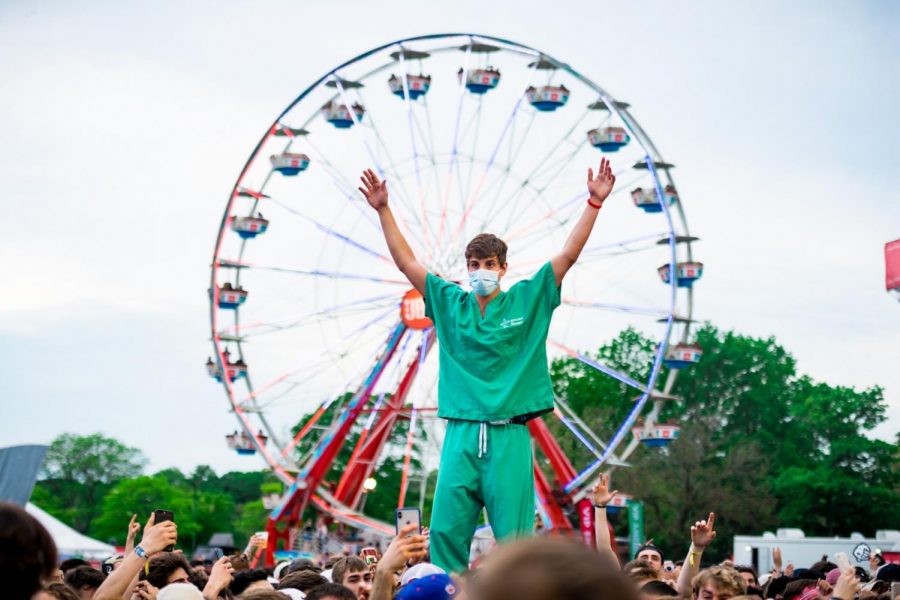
(493, 374)
(650, 553)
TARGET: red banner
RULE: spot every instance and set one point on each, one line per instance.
(892, 265)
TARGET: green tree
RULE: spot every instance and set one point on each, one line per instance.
(78, 471)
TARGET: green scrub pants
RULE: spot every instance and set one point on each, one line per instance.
(482, 465)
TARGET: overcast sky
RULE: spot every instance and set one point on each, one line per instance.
(124, 125)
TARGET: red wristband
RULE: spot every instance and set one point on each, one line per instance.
(597, 206)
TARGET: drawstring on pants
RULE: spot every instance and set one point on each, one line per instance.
(483, 434)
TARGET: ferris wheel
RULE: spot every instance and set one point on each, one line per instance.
(473, 133)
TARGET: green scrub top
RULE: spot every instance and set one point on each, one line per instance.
(493, 368)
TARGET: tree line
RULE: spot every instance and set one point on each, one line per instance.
(761, 444)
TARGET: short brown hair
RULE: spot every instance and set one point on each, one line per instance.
(304, 580)
(726, 580)
(486, 245)
(29, 554)
(162, 565)
(544, 568)
(61, 591)
(348, 564)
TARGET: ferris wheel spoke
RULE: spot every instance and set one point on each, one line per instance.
(270, 328)
(312, 273)
(627, 308)
(619, 376)
(579, 435)
(506, 127)
(626, 244)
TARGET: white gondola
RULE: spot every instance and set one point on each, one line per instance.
(479, 81)
(231, 297)
(418, 85)
(656, 436)
(289, 163)
(249, 227)
(547, 98)
(608, 139)
(688, 273)
(681, 356)
(340, 116)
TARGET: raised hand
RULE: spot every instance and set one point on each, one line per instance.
(600, 492)
(157, 536)
(847, 585)
(776, 559)
(375, 191)
(220, 577)
(405, 548)
(601, 185)
(133, 528)
(702, 532)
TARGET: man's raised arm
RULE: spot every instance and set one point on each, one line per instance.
(376, 195)
(599, 188)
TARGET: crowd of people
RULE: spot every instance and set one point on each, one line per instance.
(544, 567)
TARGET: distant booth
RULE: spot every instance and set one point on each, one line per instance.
(892, 268)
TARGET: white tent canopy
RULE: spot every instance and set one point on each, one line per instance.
(68, 541)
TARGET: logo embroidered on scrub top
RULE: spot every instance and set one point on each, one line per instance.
(505, 323)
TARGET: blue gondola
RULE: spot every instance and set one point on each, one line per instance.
(418, 85)
(646, 199)
(235, 370)
(681, 356)
(479, 81)
(547, 98)
(231, 297)
(289, 163)
(249, 227)
(608, 139)
(340, 116)
(688, 273)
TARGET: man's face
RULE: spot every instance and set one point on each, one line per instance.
(749, 580)
(488, 264)
(651, 556)
(179, 575)
(359, 582)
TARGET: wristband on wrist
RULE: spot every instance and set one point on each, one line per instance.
(140, 552)
(597, 206)
(599, 506)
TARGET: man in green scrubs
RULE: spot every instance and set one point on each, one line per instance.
(493, 374)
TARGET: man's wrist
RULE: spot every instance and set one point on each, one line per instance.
(593, 203)
(139, 550)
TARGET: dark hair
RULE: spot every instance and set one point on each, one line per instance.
(198, 577)
(544, 568)
(824, 566)
(243, 579)
(264, 595)
(71, 563)
(348, 564)
(304, 580)
(657, 588)
(331, 590)
(329, 562)
(303, 564)
(486, 245)
(747, 569)
(162, 565)
(61, 591)
(81, 578)
(27, 553)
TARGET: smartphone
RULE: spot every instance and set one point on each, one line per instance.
(161, 515)
(217, 553)
(408, 516)
(370, 555)
(842, 561)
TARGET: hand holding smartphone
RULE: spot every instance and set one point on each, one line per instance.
(408, 516)
(160, 515)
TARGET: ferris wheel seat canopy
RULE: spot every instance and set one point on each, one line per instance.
(418, 86)
(249, 227)
(340, 116)
(547, 98)
(647, 200)
(608, 139)
(681, 356)
(480, 81)
(289, 163)
(687, 273)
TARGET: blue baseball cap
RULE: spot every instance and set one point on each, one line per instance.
(431, 587)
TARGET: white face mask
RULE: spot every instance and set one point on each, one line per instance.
(484, 282)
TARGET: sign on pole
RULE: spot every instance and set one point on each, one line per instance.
(635, 525)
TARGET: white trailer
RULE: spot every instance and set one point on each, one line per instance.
(803, 551)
